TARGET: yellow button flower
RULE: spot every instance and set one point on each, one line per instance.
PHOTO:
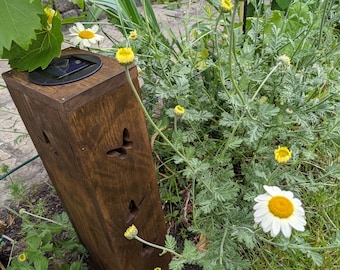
(226, 5)
(22, 257)
(282, 154)
(125, 56)
(179, 110)
(133, 35)
(131, 232)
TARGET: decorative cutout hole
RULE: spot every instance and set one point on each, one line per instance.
(127, 143)
(46, 139)
(121, 151)
(134, 208)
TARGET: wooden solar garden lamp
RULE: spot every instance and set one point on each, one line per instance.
(91, 136)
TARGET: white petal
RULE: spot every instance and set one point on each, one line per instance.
(288, 194)
(91, 41)
(267, 222)
(262, 197)
(299, 210)
(297, 222)
(286, 228)
(75, 41)
(74, 30)
(275, 227)
(258, 219)
(297, 202)
(99, 37)
(272, 190)
(86, 43)
(80, 26)
(95, 39)
(261, 205)
(261, 212)
(94, 28)
(267, 228)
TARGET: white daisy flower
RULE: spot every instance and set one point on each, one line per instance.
(84, 37)
(278, 210)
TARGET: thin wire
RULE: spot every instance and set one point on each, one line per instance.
(18, 167)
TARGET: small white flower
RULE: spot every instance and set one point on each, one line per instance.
(84, 37)
(278, 210)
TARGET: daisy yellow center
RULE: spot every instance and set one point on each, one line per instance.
(281, 207)
(86, 34)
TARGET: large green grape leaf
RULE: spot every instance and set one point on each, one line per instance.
(18, 21)
(42, 50)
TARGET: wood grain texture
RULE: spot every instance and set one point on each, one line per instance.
(91, 136)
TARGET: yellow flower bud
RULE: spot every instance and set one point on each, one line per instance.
(179, 110)
(131, 232)
(289, 111)
(133, 35)
(125, 56)
(22, 257)
(282, 154)
(226, 5)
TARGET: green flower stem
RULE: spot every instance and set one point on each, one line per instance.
(265, 79)
(222, 245)
(324, 137)
(39, 217)
(11, 254)
(175, 122)
(215, 36)
(232, 52)
(232, 134)
(157, 246)
(124, 28)
(323, 19)
(301, 247)
(147, 115)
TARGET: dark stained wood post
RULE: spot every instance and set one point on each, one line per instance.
(92, 139)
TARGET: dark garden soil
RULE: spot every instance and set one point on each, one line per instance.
(10, 224)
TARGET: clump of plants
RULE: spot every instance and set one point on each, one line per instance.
(49, 243)
(42, 242)
(245, 108)
(244, 121)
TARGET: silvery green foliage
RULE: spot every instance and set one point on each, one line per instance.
(240, 104)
